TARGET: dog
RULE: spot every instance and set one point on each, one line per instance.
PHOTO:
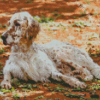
(57, 60)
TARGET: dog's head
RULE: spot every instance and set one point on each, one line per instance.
(22, 29)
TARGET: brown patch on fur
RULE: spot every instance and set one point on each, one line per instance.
(33, 31)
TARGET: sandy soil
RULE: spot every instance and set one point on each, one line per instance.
(78, 23)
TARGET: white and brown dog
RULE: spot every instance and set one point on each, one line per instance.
(57, 60)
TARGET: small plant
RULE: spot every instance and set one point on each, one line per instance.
(83, 13)
(95, 14)
(70, 95)
(4, 26)
(44, 19)
(16, 96)
(37, 18)
(50, 89)
(26, 90)
(7, 91)
(58, 89)
(81, 24)
(74, 17)
(39, 97)
(2, 50)
(80, 89)
(64, 28)
(35, 86)
(95, 86)
(0, 25)
(48, 99)
(57, 99)
(45, 84)
(56, 15)
(89, 43)
(29, 1)
(87, 1)
(0, 64)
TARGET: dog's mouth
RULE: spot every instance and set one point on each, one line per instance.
(4, 42)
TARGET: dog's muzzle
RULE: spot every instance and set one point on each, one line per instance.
(4, 37)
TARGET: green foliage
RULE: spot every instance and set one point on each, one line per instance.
(46, 85)
(16, 96)
(58, 89)
(81, 24)
(70, 95)
(29, 1)
(7, 91)
(0, 25)
(56, 15)
(39, 97)
(57, 99)
(2, 50)
(48, 99)
(95, 13)
(35, 86)
(44, 19)
(1, 65)
(95, 86)
(87, 1)
(4, 26)
(83, 13)
(80, 89)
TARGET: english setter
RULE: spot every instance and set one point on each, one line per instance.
(57, 60)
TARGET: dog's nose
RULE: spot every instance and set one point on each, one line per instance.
(3, 37)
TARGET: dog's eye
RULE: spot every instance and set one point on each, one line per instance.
(17, 24)
(18, 36)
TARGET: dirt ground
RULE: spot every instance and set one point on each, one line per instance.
(73, 21)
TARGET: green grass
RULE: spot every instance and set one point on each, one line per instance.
(16, 97)
(2, 50)
(3, 25)
(83, 13)
(44, 19)
(87, 1)
(71, 95)
(81, 24)
(7, 91)
(39, 97)
(29, 1)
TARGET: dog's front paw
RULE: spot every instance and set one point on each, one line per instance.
(81, 85)
(96, 72)
(5, 84)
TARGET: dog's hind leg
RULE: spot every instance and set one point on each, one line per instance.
(84, 72)
(72, 81)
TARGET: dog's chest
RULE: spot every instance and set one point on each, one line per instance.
(35, 65)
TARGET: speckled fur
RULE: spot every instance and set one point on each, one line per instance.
(57, 60)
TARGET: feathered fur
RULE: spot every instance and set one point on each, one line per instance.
(57, 60)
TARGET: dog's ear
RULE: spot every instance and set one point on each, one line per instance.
(33, 28)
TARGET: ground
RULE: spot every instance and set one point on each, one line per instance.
(73, 21)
